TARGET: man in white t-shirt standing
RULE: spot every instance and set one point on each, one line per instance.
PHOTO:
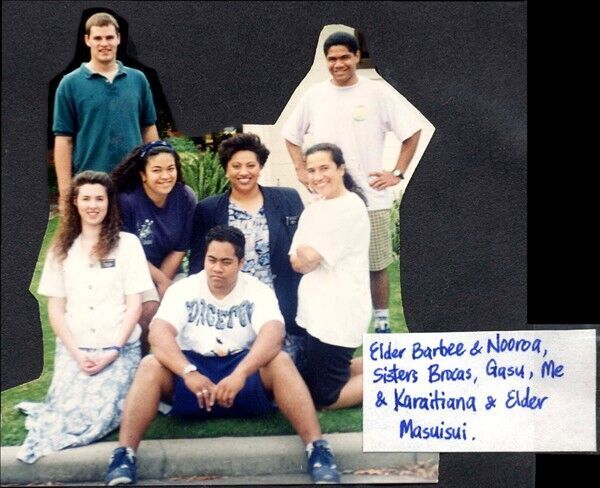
(355, 113)
(216, 342)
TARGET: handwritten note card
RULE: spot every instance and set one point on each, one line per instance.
(481, 391)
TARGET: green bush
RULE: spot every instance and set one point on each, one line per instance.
(395, 227)
(201, 170)
(182, 144)
(203, 173)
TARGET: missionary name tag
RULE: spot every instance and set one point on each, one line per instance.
(292, 220)
(107, 263)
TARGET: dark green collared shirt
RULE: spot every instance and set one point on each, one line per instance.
(105, 119)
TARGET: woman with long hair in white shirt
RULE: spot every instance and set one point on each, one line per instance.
(331, 250)
(93, 277)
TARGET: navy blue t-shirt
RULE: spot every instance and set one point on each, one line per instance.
(160, 230)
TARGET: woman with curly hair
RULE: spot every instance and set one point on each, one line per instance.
(93, 277)
(267, 216)
(158, 207)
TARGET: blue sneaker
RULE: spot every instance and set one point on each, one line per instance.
(321, 464)
(383, 330)
(121, 467)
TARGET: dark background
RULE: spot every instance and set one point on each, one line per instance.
(465, 228)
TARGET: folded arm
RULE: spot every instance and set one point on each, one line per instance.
(305, 259)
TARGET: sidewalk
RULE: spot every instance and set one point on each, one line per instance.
(221, 457)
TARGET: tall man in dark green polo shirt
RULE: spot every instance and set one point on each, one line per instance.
(102, 109)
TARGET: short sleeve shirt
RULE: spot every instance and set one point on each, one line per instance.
(95, 291)
(356, 118)
(161, 230)
(334, 300)
(213, 327)
(105, 119)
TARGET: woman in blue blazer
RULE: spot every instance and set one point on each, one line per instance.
(268, 217)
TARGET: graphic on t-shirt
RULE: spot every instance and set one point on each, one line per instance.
(145, 231)
(200, 312)
(360, 113)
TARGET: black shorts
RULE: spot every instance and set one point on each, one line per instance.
(252, 400)
(325, 369)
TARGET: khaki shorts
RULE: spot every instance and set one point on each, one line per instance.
(151, 295)
(380, 248)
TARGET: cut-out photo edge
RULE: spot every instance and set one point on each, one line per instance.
(127, 54)
(194, 151)
(205, 143)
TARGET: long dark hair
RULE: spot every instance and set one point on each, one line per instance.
(338, 158)
(126, 176)
(70, 223)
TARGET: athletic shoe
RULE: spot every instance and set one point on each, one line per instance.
(121, 467)
(385, 329)
(321, 464)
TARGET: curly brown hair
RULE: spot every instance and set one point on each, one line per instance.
(70, 223)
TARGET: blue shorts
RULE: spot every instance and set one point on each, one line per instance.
(251, 401)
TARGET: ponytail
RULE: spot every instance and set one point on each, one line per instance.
(351, 185)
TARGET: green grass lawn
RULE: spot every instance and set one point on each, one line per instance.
(13, 431)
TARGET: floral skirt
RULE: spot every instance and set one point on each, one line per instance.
(78, 409)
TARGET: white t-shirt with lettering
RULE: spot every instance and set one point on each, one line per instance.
(356, 118)
(334, 300)
(95, 291)
(213, 327)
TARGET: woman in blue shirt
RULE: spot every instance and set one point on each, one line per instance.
(158, 207)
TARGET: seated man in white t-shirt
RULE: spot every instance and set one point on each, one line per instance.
(216, 342)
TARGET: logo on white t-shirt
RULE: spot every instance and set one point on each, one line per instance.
(359, 113)
(202, 313)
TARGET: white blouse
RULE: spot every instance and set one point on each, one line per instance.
(334, 300)
(96, 291)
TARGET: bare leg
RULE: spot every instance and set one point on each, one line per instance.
(151, 383)
(293, 398)
(148, 311)
(356, 366)
(380, 288)
(351, 394)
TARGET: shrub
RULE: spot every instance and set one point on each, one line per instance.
(182, 144)
(395, 227)
(201, 170)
